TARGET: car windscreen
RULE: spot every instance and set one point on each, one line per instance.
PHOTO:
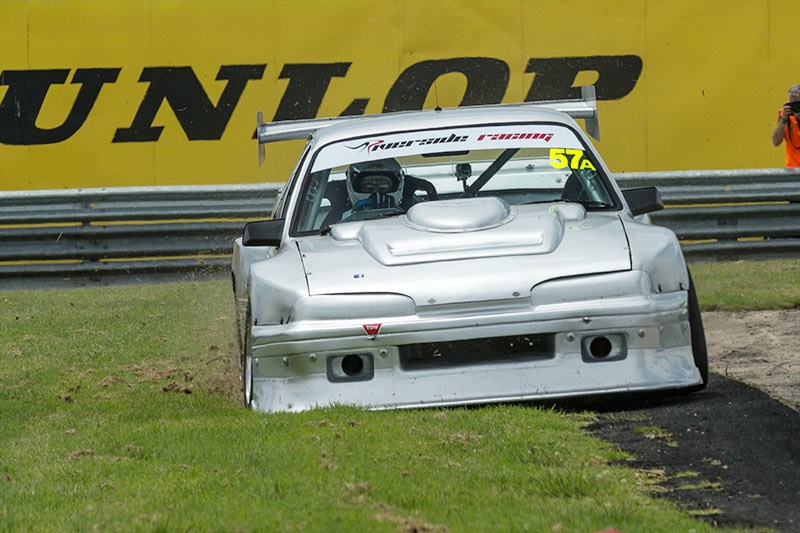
(385, 175)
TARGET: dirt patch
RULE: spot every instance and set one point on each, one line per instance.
(221, 374)
(758, 348)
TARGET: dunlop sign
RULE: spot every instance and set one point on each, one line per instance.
(142, 92)
(202, 119)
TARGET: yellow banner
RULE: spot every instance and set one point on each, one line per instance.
(134, 92)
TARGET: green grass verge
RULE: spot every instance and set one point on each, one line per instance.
(747, 285)
(119, 412)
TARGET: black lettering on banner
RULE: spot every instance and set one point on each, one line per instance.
(27, 90)
(198, 116)
(617, 76)
(487, 81)
(356, 107)
(308, 83)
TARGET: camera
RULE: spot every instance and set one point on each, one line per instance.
(795, 106)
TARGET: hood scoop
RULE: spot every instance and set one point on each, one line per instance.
(462, 215)
(450, 230)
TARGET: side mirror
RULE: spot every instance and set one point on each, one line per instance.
(643, 200)
(263, 233)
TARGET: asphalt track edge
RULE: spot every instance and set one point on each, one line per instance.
(729, 454)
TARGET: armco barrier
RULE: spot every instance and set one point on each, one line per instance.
(90, 236)
(728, 214)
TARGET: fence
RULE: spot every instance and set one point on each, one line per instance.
(729, 214)
(101, 236)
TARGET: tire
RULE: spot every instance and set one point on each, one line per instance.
(238, 316)
(246, 365)
(698, 334)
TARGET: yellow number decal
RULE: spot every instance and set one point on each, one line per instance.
(557, 158)
(569, 157)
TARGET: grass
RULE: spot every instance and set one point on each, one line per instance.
(119, 411)
(747, 285)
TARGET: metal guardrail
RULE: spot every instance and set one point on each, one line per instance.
(722, 215)
(111, 235)
(101, 236)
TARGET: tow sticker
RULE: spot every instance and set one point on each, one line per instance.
(372, 329)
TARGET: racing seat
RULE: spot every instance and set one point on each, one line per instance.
(336, 193)
(413, 185)
(573, 190)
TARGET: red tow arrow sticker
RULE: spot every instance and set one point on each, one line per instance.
(372, 329)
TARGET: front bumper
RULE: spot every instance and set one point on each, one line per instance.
(303, 365)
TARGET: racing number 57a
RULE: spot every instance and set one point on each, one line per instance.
(569, 157)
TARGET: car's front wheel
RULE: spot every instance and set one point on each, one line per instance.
(246, 364)
(699, 349)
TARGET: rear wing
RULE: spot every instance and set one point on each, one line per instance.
(267, 132)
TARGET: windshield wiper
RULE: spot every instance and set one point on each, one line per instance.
(360, 216)
(551, 200)
(595, 204)
(386, 214)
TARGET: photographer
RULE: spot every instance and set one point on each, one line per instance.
(788, 127)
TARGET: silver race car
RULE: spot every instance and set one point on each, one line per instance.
(460, 256)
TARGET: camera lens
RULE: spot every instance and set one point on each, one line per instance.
(795, 107)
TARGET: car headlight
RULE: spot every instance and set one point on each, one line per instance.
(352, 306)
(594, 287)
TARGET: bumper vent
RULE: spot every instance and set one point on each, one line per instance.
(498, 350)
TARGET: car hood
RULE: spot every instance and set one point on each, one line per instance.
(454, 251)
